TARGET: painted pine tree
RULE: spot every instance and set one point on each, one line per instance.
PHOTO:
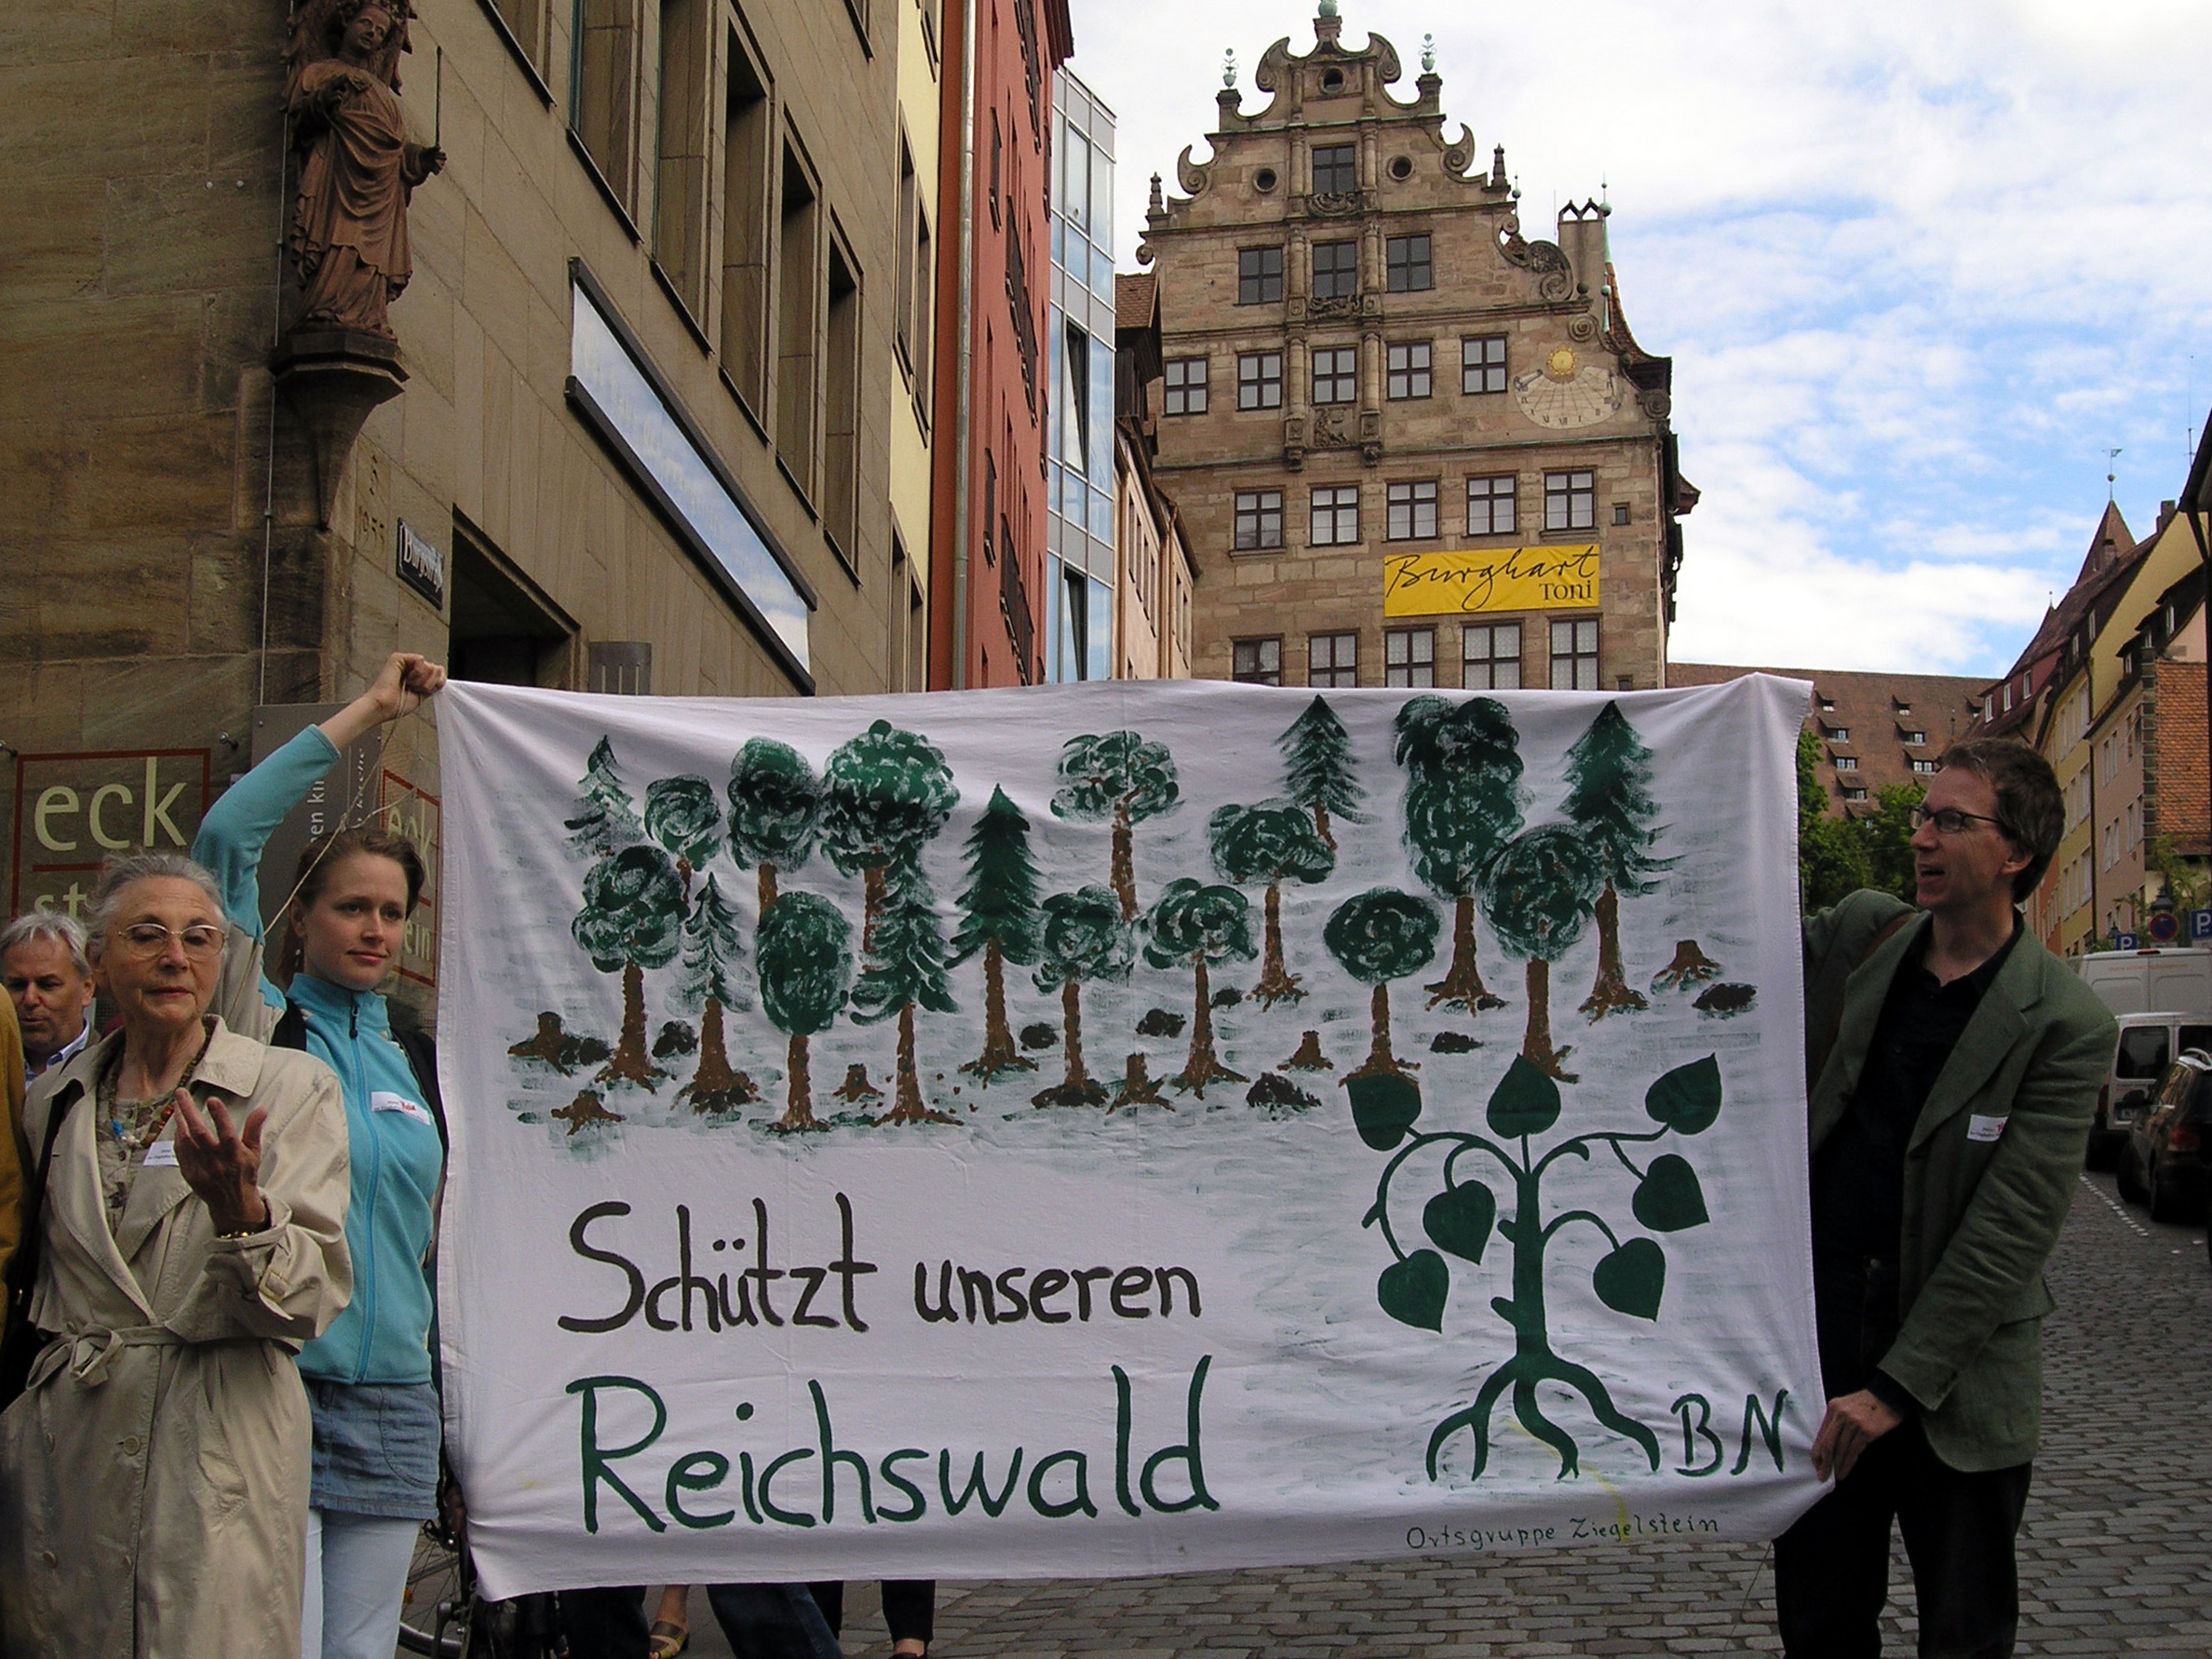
(803, 955)
(1083, 940)
(708, 984)
(776, 811)
(1118, 779)
(1199, 927)
(1270, 843)
(1317, 769)
(1609, 799)
(998, 917)
(631, 920)
(681, 814)
(1538, 895)
(606, 819)
(905, 965)
(1463, 803)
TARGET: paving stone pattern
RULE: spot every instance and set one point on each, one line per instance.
(2116, 1558)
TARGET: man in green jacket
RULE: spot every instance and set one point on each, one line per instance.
(1952, 1077)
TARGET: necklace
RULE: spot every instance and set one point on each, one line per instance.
(128, 1119)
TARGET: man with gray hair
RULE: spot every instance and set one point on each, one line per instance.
(43, 962)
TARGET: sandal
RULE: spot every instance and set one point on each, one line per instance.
(665, 1640)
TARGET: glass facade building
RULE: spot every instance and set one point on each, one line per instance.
(1079, 466)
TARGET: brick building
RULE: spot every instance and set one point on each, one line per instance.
(1411, 446)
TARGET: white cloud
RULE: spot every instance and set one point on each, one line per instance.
(1918, 267)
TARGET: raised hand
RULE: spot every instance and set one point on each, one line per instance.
(222, 1162)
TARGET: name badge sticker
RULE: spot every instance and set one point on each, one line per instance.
(385, 1100)
(162, 1154)
(1986, 1128)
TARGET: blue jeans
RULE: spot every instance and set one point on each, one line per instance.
(773, 1622)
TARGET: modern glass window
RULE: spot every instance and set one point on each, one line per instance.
(1409, 657)
(1406, 263)
(1336, 516)
(1259, 276)
(1336, 374)
(1482, 364)
(1258, 519)
(1491, 505)
(1336, 270)
(1260, 380)
(1570, 500)
(1257, 662)
(1489, 654)
(1336, 170)
(1186, 385)
(1575, 655)
(1408, 370)
(1332, 659)
(1412, 510)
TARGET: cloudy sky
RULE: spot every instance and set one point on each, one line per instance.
(1918, 266)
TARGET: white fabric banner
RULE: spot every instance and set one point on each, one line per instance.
(1119, 1128)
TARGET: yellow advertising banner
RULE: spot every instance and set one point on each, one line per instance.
(1491, 579)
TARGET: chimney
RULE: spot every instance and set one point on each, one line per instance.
(1582, 239)
(2166, 516)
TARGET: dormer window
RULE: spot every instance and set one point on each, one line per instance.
(1827, 704)
(1917, 738)
(1839, 733)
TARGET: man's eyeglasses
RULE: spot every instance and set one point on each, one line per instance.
(1951, 821)
(149, 938)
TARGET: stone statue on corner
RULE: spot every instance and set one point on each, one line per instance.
(355, 169)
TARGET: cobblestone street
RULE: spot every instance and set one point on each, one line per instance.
(2116, 1556)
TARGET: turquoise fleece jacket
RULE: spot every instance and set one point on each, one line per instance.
(384, 1335)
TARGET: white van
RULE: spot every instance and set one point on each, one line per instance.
(2149, 1044)
(2144, 981)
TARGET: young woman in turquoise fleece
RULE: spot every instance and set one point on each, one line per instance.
(368, 1376)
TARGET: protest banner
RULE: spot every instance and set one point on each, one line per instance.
(1119, 1128)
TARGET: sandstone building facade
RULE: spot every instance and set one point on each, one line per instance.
(1409, 446)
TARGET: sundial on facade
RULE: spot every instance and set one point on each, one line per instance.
(1566, 392)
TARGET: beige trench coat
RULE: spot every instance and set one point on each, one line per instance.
(153, 1476)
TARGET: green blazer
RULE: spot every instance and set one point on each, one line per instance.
(1990, 1171)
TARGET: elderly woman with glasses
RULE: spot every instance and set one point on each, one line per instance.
(154, 1474)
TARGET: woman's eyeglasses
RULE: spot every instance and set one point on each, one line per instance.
(149, 938)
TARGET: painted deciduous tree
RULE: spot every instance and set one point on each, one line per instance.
(1198, 926)
(681, 814)
(632, 920)
(1463, 803)
(1083, 938)
(776, 811)
(1609, 799)
(1116, 777)
(708, 984)
(1377, 936)
(1317, 770)
(802, 951)
(1538, 894)
(885, 793)
(905, 965)
(998, 916)
(1272, 843)
(606, 819)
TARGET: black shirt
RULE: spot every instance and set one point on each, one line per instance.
(1858, 1176)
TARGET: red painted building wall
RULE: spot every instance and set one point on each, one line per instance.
(986, 565)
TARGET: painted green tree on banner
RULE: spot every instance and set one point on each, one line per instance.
(708, 984)
(1198, 926)
(1463, 803)
(904, 966)
(1083, 940)
(804, 954)
(1377, 936)
(998, 917)
(1538, 894)
(681, 814)
(632, 920)
(1119, 778)
(1318, 770)
(1459, 1217)
(776, 811)
(886, 794)
(1272, 843)
(1609, 799)
(606, 819)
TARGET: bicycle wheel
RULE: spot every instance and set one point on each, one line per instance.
(431, 1614)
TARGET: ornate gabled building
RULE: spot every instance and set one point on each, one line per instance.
(1411, 446)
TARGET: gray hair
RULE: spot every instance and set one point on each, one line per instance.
(117, 875)
(63, 930)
